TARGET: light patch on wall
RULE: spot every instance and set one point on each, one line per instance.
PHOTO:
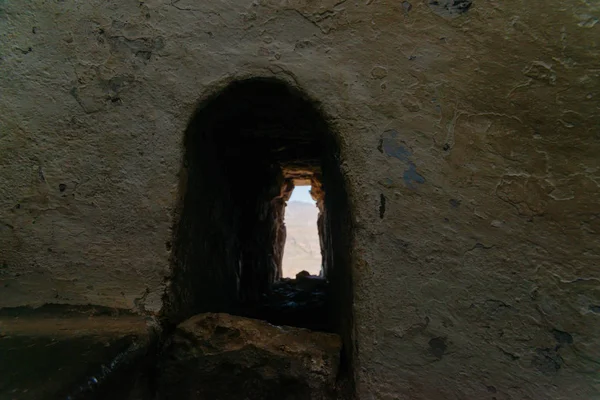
(302, 248)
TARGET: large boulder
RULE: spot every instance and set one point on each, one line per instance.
(225, 357)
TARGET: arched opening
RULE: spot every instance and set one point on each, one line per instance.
(245, 149)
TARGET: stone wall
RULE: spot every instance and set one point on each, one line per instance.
(469, 145)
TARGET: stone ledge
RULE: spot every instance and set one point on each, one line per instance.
(46, 357)
(225, 357)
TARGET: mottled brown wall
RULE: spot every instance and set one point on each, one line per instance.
(478, 125)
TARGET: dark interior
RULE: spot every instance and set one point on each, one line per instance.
(244, 149)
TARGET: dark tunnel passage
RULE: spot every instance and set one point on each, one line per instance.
(245, 148)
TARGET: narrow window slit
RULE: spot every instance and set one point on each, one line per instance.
(302, 251)
(299, 298)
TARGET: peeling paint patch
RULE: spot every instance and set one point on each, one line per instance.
(541, 71)
(387, 182)
(378, 72)
(560, 194)
(412, 176)
(587, 21)
(392, 147)
(454, 203)
(438, 346)
(547, 361)
(562, 337)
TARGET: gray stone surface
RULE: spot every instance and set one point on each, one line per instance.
(469, 144)
(225, 357)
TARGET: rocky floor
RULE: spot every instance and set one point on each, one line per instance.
(281, 352)
(226, 357)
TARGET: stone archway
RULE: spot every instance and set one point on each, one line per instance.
(245, 146)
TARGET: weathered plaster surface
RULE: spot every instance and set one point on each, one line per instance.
(478, 278)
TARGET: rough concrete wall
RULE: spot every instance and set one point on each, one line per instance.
(470, 148)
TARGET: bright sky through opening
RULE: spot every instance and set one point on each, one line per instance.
(302, 247)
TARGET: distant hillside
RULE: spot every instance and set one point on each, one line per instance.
(302, 248)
